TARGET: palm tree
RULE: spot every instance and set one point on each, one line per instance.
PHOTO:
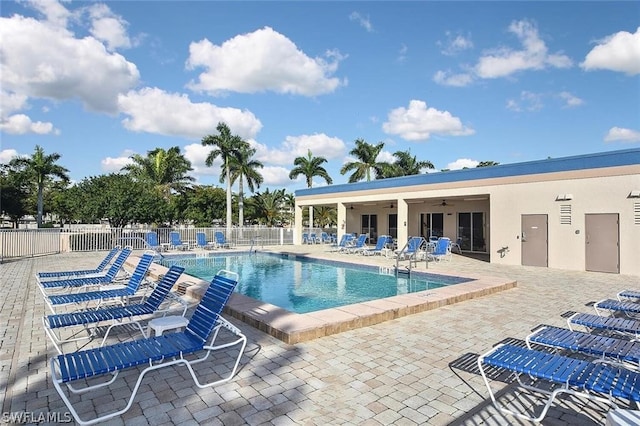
(268, 204)
(366, 155)
(309, 167)
(244, 167)
(226, 146)
(166, 169)
(41, 168)
(407, 165)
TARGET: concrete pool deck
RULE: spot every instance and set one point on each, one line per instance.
(295, 328)
(413, 370)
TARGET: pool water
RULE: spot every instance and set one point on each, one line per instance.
(303, 285)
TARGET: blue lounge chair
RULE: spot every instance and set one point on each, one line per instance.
(80, 272)
(442, 250)
(113, 314)
(119, 292)
(603, 348)
(305, 238)
(358, 245)
(201, 241)
(413, 250)
(220, 240)
(623, 326)
(345, 241)
(325, 238)
(630, 309)
(156, 352)
(151, 238)
(176, 241)
(313, 238)
(90, 280)
(381, 245)
(582, 378)
(632, 295)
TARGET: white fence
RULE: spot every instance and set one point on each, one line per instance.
(16, 243)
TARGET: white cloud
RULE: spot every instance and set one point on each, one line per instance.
(54, 12)
(115, 164)
(43, 61)
(364, 22)
(417, 122)
(7, 155)
(153, 110)
(455, 44)
(320, 145)
(385, 157)
(108, 27)
(528, 101)
(276, 176)
(461, 163)
(620, 134)
(10, 103)
(20, 124)
(503, 62)
(197, 153)
(263, 60)
(570, 100)
(447, 78)
(618, 52)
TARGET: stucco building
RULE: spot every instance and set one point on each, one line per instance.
(576, 213)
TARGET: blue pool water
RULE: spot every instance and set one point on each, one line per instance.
(303, 285)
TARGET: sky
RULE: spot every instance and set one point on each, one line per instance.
(455, 83)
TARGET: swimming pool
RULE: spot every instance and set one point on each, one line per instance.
(301, 285)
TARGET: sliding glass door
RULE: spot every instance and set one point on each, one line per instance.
(370, 226)
(432, 225)
(471, 231)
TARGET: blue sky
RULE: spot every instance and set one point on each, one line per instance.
(455, 83)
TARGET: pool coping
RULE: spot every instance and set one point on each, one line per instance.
(293, 328)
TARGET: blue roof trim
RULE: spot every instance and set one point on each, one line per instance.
(579, 162)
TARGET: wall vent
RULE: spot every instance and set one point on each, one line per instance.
(565, 214)
(636, 213)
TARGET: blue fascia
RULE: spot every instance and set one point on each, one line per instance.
(552, 165)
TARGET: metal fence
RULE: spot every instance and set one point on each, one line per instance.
(16, 243)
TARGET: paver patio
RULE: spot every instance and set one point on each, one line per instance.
(418, 369)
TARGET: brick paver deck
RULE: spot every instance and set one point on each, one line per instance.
(417, 369)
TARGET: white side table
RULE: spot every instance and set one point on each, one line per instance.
(162, 324)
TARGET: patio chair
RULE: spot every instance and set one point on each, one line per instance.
(630, 309)
(220, 240)
(325, 238)
(155, 353)
(313, 238)
(116, 316)
(80, 272)
(413, 249)
(457, 246)
(113, 292)
(177, 243)
(201, 241)
(595, 381)
(632, 295)
(305, 238)
(622, 352)
(151, 238)
(90, 280)
(442, 250)
(359, 244)
(380, 247)
(623, 326)
(345, 241)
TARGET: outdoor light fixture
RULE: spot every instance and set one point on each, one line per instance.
(634, 194)
(564, 197)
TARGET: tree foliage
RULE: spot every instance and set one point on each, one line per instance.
(366, 162)
(309, 167)
(40, 170)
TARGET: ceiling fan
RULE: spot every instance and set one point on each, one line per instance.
(443, 204)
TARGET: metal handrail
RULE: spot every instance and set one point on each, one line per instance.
(145, 244)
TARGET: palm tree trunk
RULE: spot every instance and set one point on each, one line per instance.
(240, 204)
(40, 205)
(229, 218)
